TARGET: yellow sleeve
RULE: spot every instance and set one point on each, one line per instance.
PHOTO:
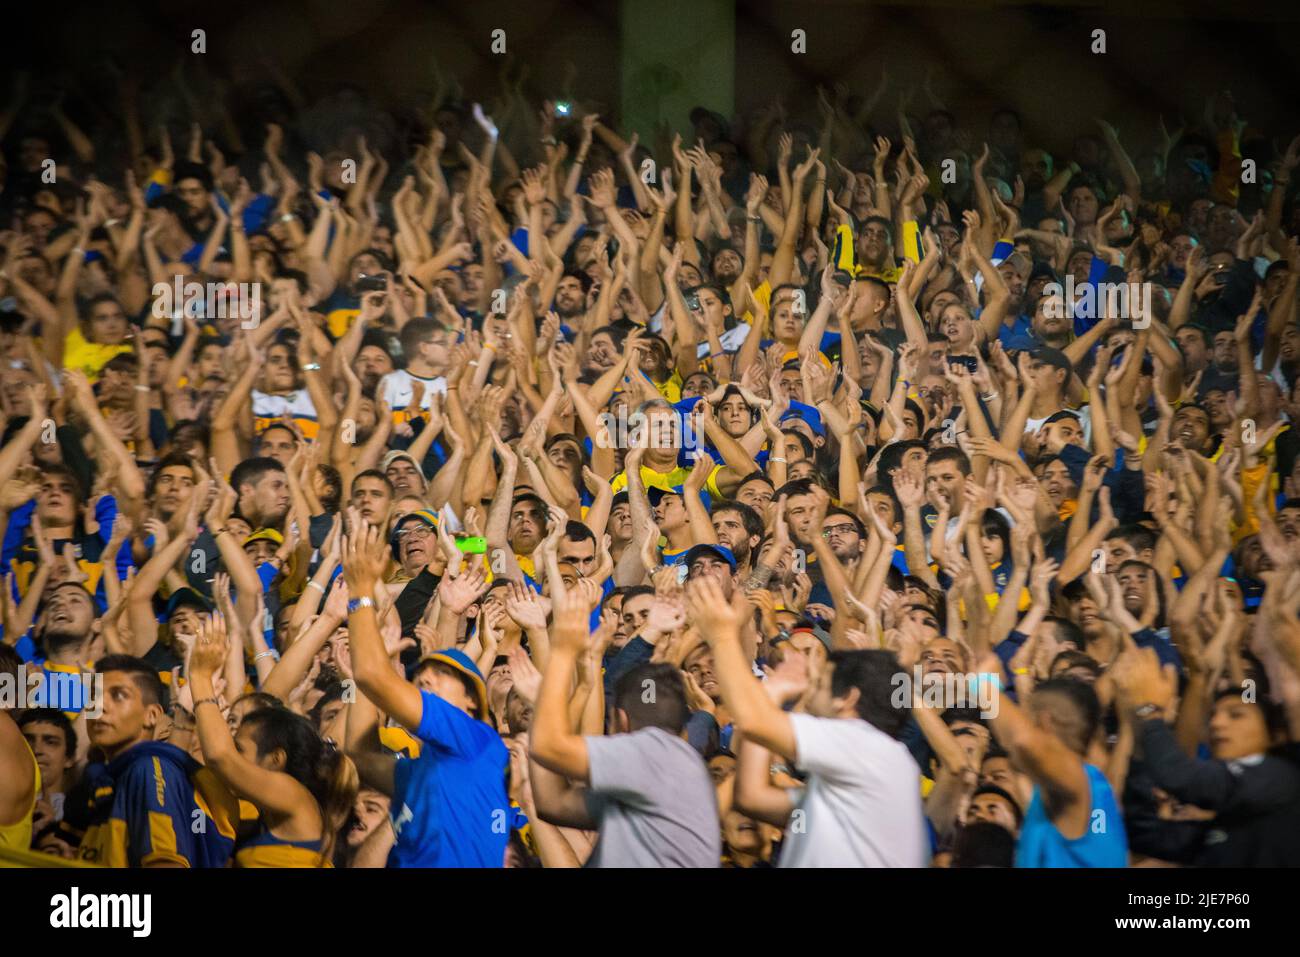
(1251, 479)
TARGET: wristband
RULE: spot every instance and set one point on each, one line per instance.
(204, 701)
(356, 604)
(111, 222)
(315, 584)
(990, 397)
(311, 367)
(288, 218)
(143, 388)
(269, 653)
(1149, 711)
(773, 458)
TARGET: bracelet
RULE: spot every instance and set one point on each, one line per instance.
(111, 222)
(204, 701)
(1020, 671)
(473, 363)
(490, 345)
(143, 388)
(288, 218)
(990, 397)
(773, 458)
(269, 653)
(315, 584)
(311, 367)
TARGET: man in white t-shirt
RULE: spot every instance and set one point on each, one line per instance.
(861, 803)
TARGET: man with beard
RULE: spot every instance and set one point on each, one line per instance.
(65, 629)
(740, 528)
(1049, 325)
(370, 815)
(571, 295)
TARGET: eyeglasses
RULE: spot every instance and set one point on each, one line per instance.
(413, 532)
(837, 530)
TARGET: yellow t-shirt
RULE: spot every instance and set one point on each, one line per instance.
(88, 357)
(668, 481)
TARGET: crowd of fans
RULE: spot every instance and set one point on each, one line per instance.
(835, 485)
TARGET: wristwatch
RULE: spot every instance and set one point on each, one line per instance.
(356, 604)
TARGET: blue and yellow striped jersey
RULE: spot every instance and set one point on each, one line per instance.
(154, 804)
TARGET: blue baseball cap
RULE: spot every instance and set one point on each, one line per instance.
(459, 661)
(719, 551)
(809, 414)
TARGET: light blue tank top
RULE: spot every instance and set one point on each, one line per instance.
(1103, 844)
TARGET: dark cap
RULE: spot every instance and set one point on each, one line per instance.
(188, 598)
(1053, 357)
